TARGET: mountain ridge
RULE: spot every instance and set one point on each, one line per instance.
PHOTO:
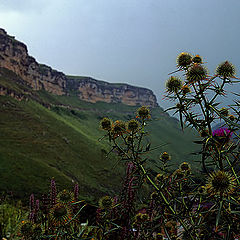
(14, 56)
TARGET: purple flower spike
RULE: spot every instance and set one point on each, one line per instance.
(31, 202)
(53, 192)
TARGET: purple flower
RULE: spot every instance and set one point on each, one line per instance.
(222, 132)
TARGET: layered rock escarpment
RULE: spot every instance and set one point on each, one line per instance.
(14, 56)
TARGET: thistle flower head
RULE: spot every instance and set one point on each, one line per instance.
(226, 70)
(173, 84)
(106, 203)
(118, 128)
(165, 157)
(185, 166)
(221, 182)
(197, 59)
(106, 123)
(184, 60)
(60, 214)
(143, 112)
(196, 73)
(65, 197)
(222, 132)
(133, 125)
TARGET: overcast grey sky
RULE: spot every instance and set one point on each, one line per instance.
(131, 41)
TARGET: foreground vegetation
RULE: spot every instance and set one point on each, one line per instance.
(165, 202)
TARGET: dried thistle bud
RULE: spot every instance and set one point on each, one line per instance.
(118, 127)
(184, 60)
(226, 70)
(106, 123)
(173, 84)
(133, 125)
(224, 111)
(165, 157)
(185, 166)
(143, 112)
(196, 73)
(197, 59)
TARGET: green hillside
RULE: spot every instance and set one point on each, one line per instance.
(45, 136)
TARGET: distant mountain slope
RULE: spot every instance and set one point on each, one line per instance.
(43, 135)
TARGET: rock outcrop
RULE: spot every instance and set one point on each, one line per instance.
(14, 56)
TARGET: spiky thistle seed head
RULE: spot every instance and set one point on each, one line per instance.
(173, 84)
(165, 157)
(65, 197)
(118, 128)
(196, 73)
(106, 124)
(197, 59)
(60, 214)
(133, 125)
(221, 182)
(106, 203)
(226, 70)
(185, 166)
(184, 60)
(143, 112)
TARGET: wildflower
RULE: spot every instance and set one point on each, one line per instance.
(184, 60)
(186, 89)
(133, 125)
(222, 135)
(197, 59)
(196, 73)
(105, 124)
(173, 84)
(65, 197)
(165, 157)
(185, 166)
(143, 112)
(59, 214)
(118, 128)
(226, 70)
(106, 203)
(221, 182)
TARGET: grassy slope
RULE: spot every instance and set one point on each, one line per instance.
(37, 143)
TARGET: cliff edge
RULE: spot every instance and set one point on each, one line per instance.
(14, 56)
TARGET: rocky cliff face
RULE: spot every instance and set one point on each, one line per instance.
(14, 56)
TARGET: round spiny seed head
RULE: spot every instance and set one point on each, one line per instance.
(165, 157)
(226, 70)
(60, 214)
(224, 111)
(196, 73)
(186, 89)
(197, 59)
(133, 125)
(106, 123)
(184, 60)
(106, 203)
(143, 112)
(173, 84)
(65, 197)
(185, 166)
(221, 182)
(118, 127)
